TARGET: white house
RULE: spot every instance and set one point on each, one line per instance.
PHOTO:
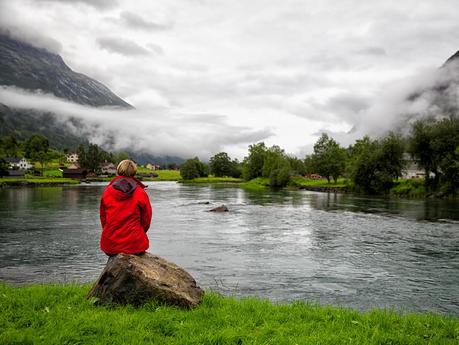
(108, 168)
(152, 166)
(18, 163)
(72, 157)
(412, 170)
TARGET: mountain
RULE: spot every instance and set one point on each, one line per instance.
(452, 59)
(27, 67)
(442, 93)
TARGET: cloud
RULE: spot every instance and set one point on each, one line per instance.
(294, 68)
(371, 51)
(147, 130)
(121, 46)
(99, 4)
(135, 21)
(33, 38)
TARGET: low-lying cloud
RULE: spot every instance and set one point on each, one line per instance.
(135, 21)
(121, 46)
(154, 131)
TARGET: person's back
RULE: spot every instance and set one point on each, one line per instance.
(125, 213)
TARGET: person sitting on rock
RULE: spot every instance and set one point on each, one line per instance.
(125, 213)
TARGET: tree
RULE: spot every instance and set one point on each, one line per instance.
(274, 157)
(280, 176)
(434, 145)
(9, 146)
(253, 163)
(81, 152)
(35, 144)
(193, 168)
(391, 156)
(221, 165)
(36, 148)
(297, 165)
(329, 158)
(374, 164)
(92, 157)
(3, 167)
(362, 166)
(421, 148)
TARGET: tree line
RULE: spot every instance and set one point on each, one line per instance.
(371, 165)
(37, 148)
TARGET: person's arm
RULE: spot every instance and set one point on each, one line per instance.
(146, 212)
(103, 218)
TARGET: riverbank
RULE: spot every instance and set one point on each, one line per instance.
(60, 314)
(213, 180)
(37, 182)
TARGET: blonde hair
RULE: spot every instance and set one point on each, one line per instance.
(126, 168)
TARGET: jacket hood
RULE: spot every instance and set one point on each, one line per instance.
(125, 186)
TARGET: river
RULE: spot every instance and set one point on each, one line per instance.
(354, 251)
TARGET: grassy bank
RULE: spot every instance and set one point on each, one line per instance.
(164, 175)
(213, 179)
(408, 188)
(51, 314)
(259, 183)
(37, 181)
(299, 181)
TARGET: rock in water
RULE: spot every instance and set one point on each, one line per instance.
(221, 208)
(135, 279)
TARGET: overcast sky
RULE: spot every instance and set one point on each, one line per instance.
(242, 71)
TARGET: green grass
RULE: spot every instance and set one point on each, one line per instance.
(60, 314)
(409, 188)
(259, 183)
(35, 181)
(52, 173)
(302, 181)
(164, 175)
(213, 179)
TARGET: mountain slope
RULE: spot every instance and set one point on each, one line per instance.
(27, 67)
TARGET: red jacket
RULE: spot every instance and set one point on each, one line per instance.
(125, 215)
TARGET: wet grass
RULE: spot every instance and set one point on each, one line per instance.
(37, 181)
(165, 175)
(60, 314)
(302, 181)
(213, 179)
(256, 184)
(409, 188)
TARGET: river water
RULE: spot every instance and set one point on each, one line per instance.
(345, 250)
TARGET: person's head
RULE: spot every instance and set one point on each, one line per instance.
(126, 168)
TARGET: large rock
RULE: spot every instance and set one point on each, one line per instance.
(135, 279)
(221, 208)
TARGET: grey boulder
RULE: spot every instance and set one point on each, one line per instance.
(135, 279)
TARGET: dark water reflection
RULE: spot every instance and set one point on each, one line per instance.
(339, 249)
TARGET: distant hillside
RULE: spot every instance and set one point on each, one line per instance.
(25, 66)
(22, 123)
(31, 68)
(443, 94)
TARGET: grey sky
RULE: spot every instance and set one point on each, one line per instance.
(284, 70)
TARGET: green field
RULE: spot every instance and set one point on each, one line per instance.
(259, 183)
(60, 314)
(36, 181)
(409, 188)
(302, 181)
(213, 179)
(163, 175)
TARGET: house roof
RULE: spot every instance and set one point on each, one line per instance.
(107, 165)
(13, 159)
(15, 173)
(74, 171)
